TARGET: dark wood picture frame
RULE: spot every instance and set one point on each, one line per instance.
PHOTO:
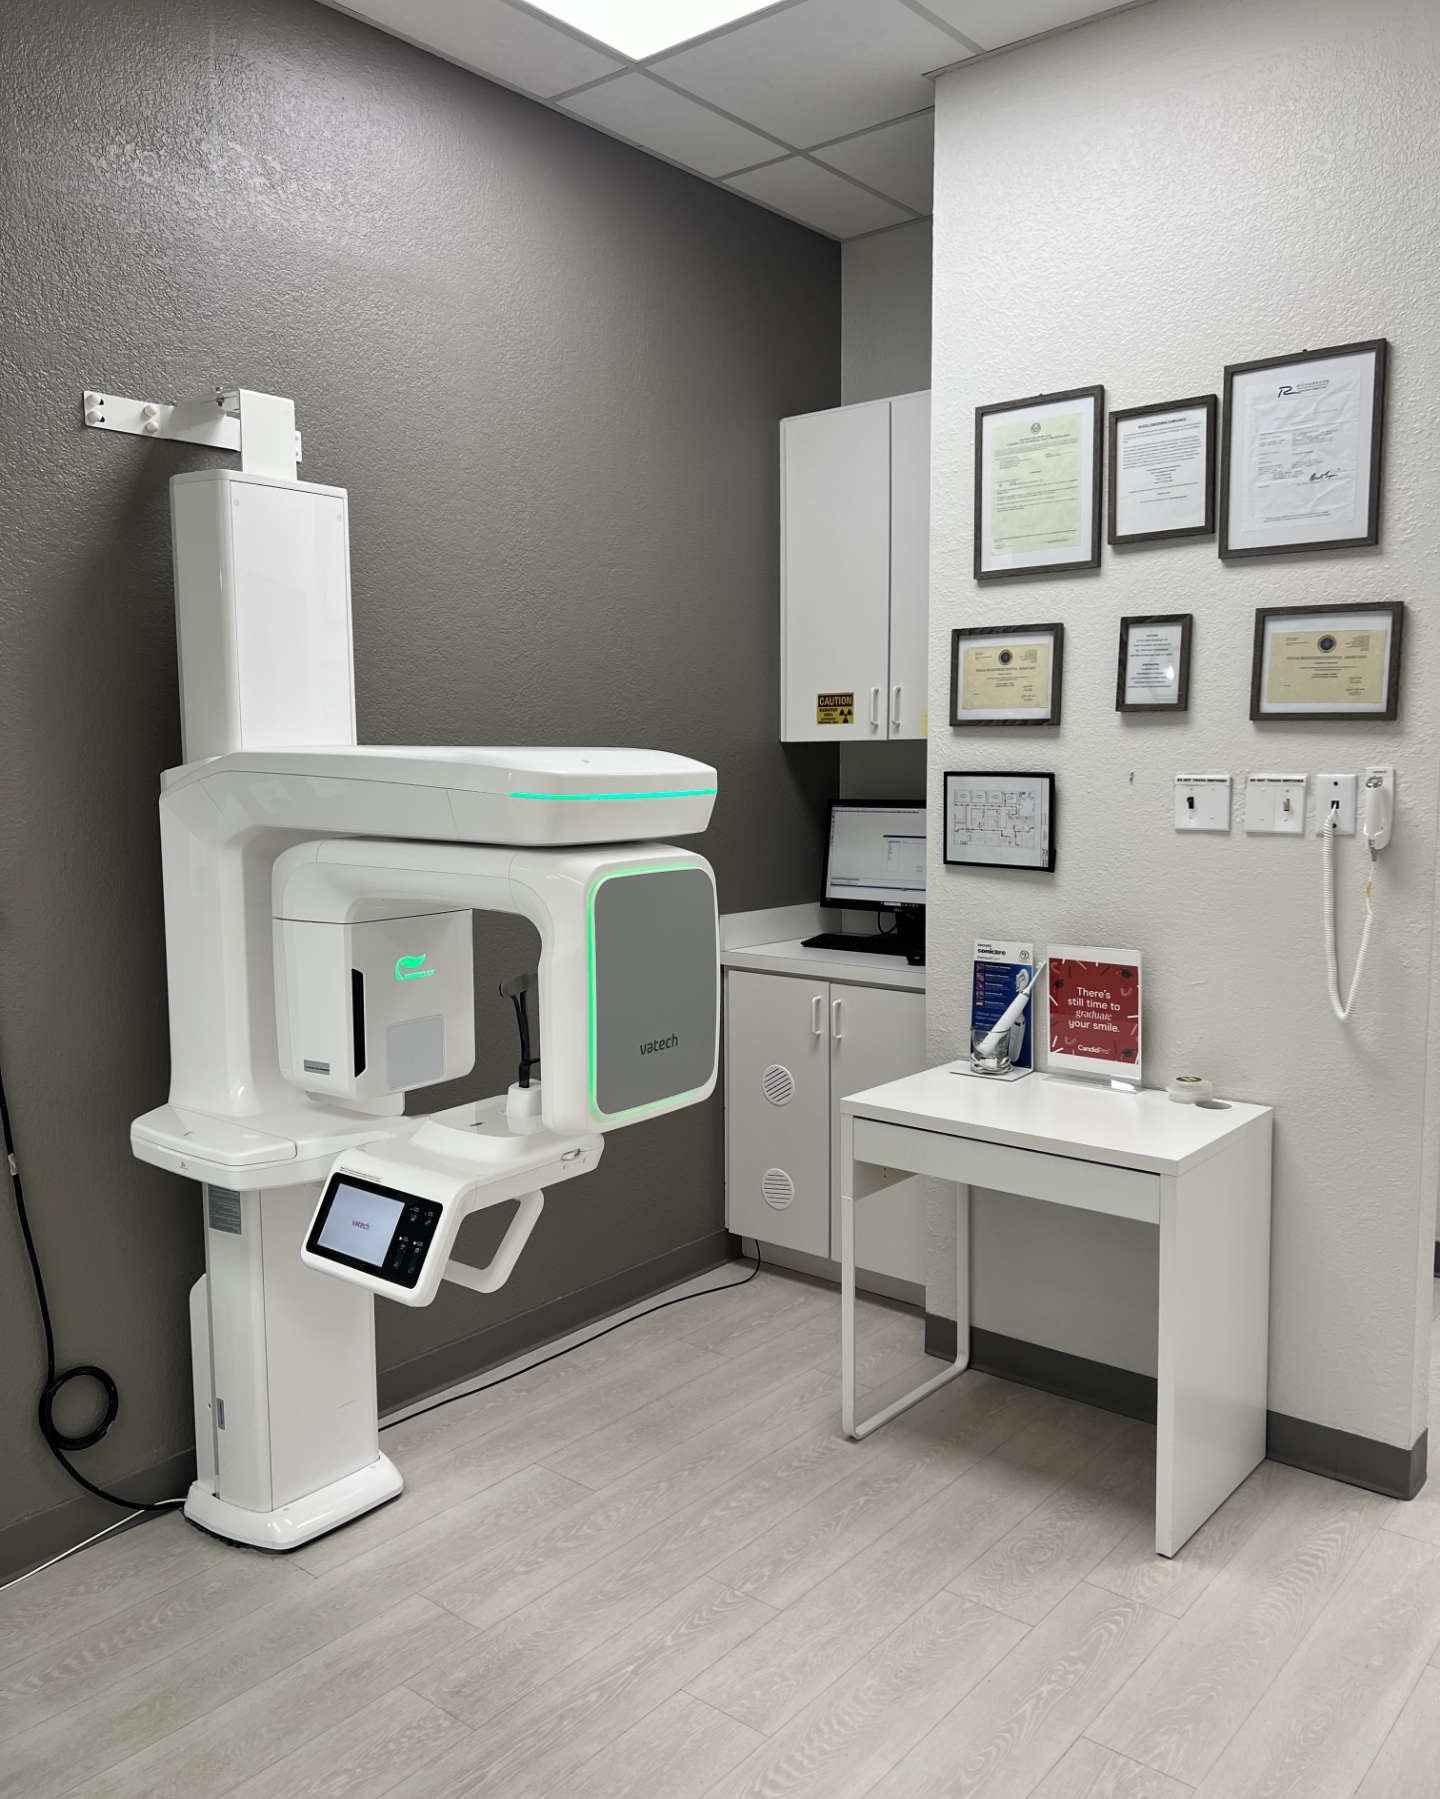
(1181, 703)
(1096, 395)
(1379, 348)
(1000, 774)
(1056, 633)
(1211, 405)
(1396, 609)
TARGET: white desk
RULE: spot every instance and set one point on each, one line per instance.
(1201, 1174)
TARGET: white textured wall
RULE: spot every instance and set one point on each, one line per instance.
(885, 314)
(1138, 203)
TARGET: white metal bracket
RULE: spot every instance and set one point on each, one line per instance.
(260, 426)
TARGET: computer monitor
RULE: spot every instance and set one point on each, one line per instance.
(876, 855)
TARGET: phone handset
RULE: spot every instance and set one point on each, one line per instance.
(1377, 818)
(1378, 800)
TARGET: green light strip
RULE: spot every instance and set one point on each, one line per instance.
(671, 793)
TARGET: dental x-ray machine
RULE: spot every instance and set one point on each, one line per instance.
(317, 917)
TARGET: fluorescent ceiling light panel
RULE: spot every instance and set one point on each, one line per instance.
(641, 28)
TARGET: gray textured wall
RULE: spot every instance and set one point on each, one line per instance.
(549, 371)
(885, 313)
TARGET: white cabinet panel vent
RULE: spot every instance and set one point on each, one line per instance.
(777, 1189)
(778, 1084)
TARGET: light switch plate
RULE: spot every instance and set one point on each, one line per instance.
(1335, 792)
(1275, 805)
(1202, 802)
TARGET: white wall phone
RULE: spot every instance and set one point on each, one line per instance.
(1335, 809)
(317, 931)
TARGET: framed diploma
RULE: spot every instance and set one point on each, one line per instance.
(1009, 676)
(1315, 662)
(999, 820)
(1038, 470)
(1162, 471)
(1301, 452)
(1154, 672)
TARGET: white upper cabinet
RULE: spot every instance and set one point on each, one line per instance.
(909, 562)
(854, 571)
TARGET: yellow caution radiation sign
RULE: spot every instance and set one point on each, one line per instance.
(834, 708)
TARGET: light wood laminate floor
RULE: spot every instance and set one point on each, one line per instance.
(654, 1569)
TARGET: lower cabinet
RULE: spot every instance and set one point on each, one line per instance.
(793, 1050)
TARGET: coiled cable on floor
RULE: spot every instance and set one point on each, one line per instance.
(61, 1443)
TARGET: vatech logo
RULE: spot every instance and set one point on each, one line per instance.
(408, 968)
(653, 1049)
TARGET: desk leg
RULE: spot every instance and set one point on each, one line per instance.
(858, 1181)
(1214, 1336)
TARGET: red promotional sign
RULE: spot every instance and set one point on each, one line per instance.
(1095, 1011)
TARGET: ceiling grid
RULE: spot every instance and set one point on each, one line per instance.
(821, 110)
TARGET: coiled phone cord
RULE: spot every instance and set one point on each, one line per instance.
(1332, 966)
(59, 1442)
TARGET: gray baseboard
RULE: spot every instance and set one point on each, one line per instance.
(34, 1540)
(440, 1368)
(1051, 1370)
(1359, 1461)
(821, 1268)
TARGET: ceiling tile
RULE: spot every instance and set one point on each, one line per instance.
(819, 70)
(657, 118)
(992, 23)
(491, 38)
(899, 159)
(816, 197)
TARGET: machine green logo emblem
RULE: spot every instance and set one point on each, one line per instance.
(407, 968)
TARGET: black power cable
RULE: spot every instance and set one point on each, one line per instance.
(61, 1444)
(515, 1373)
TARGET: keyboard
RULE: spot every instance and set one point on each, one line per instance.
(882, 943)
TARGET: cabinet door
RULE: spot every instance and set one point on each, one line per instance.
(777, 1110)
(835, 570)
(877, 1035)
(909, 563)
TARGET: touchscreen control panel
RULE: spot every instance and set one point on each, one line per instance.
(379, 1230)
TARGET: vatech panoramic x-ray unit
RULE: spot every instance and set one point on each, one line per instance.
(317, 915)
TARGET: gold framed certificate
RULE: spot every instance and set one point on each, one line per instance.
(1038, 476)
(1006, 676)
(1313, 662)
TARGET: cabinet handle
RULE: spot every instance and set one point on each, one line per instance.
(835, 1031)
(817, 1015)
(874, 708)
(895, 706)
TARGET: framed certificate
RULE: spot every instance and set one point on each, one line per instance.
(1315, 662)
(1009, 676)
(999, 820)
(1038, 469)
(1162, 471)
(1301, 452)
(1154, 671)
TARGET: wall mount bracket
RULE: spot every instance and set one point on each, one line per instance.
(261, 427)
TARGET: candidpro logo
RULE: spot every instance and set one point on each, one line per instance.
(409, 968)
